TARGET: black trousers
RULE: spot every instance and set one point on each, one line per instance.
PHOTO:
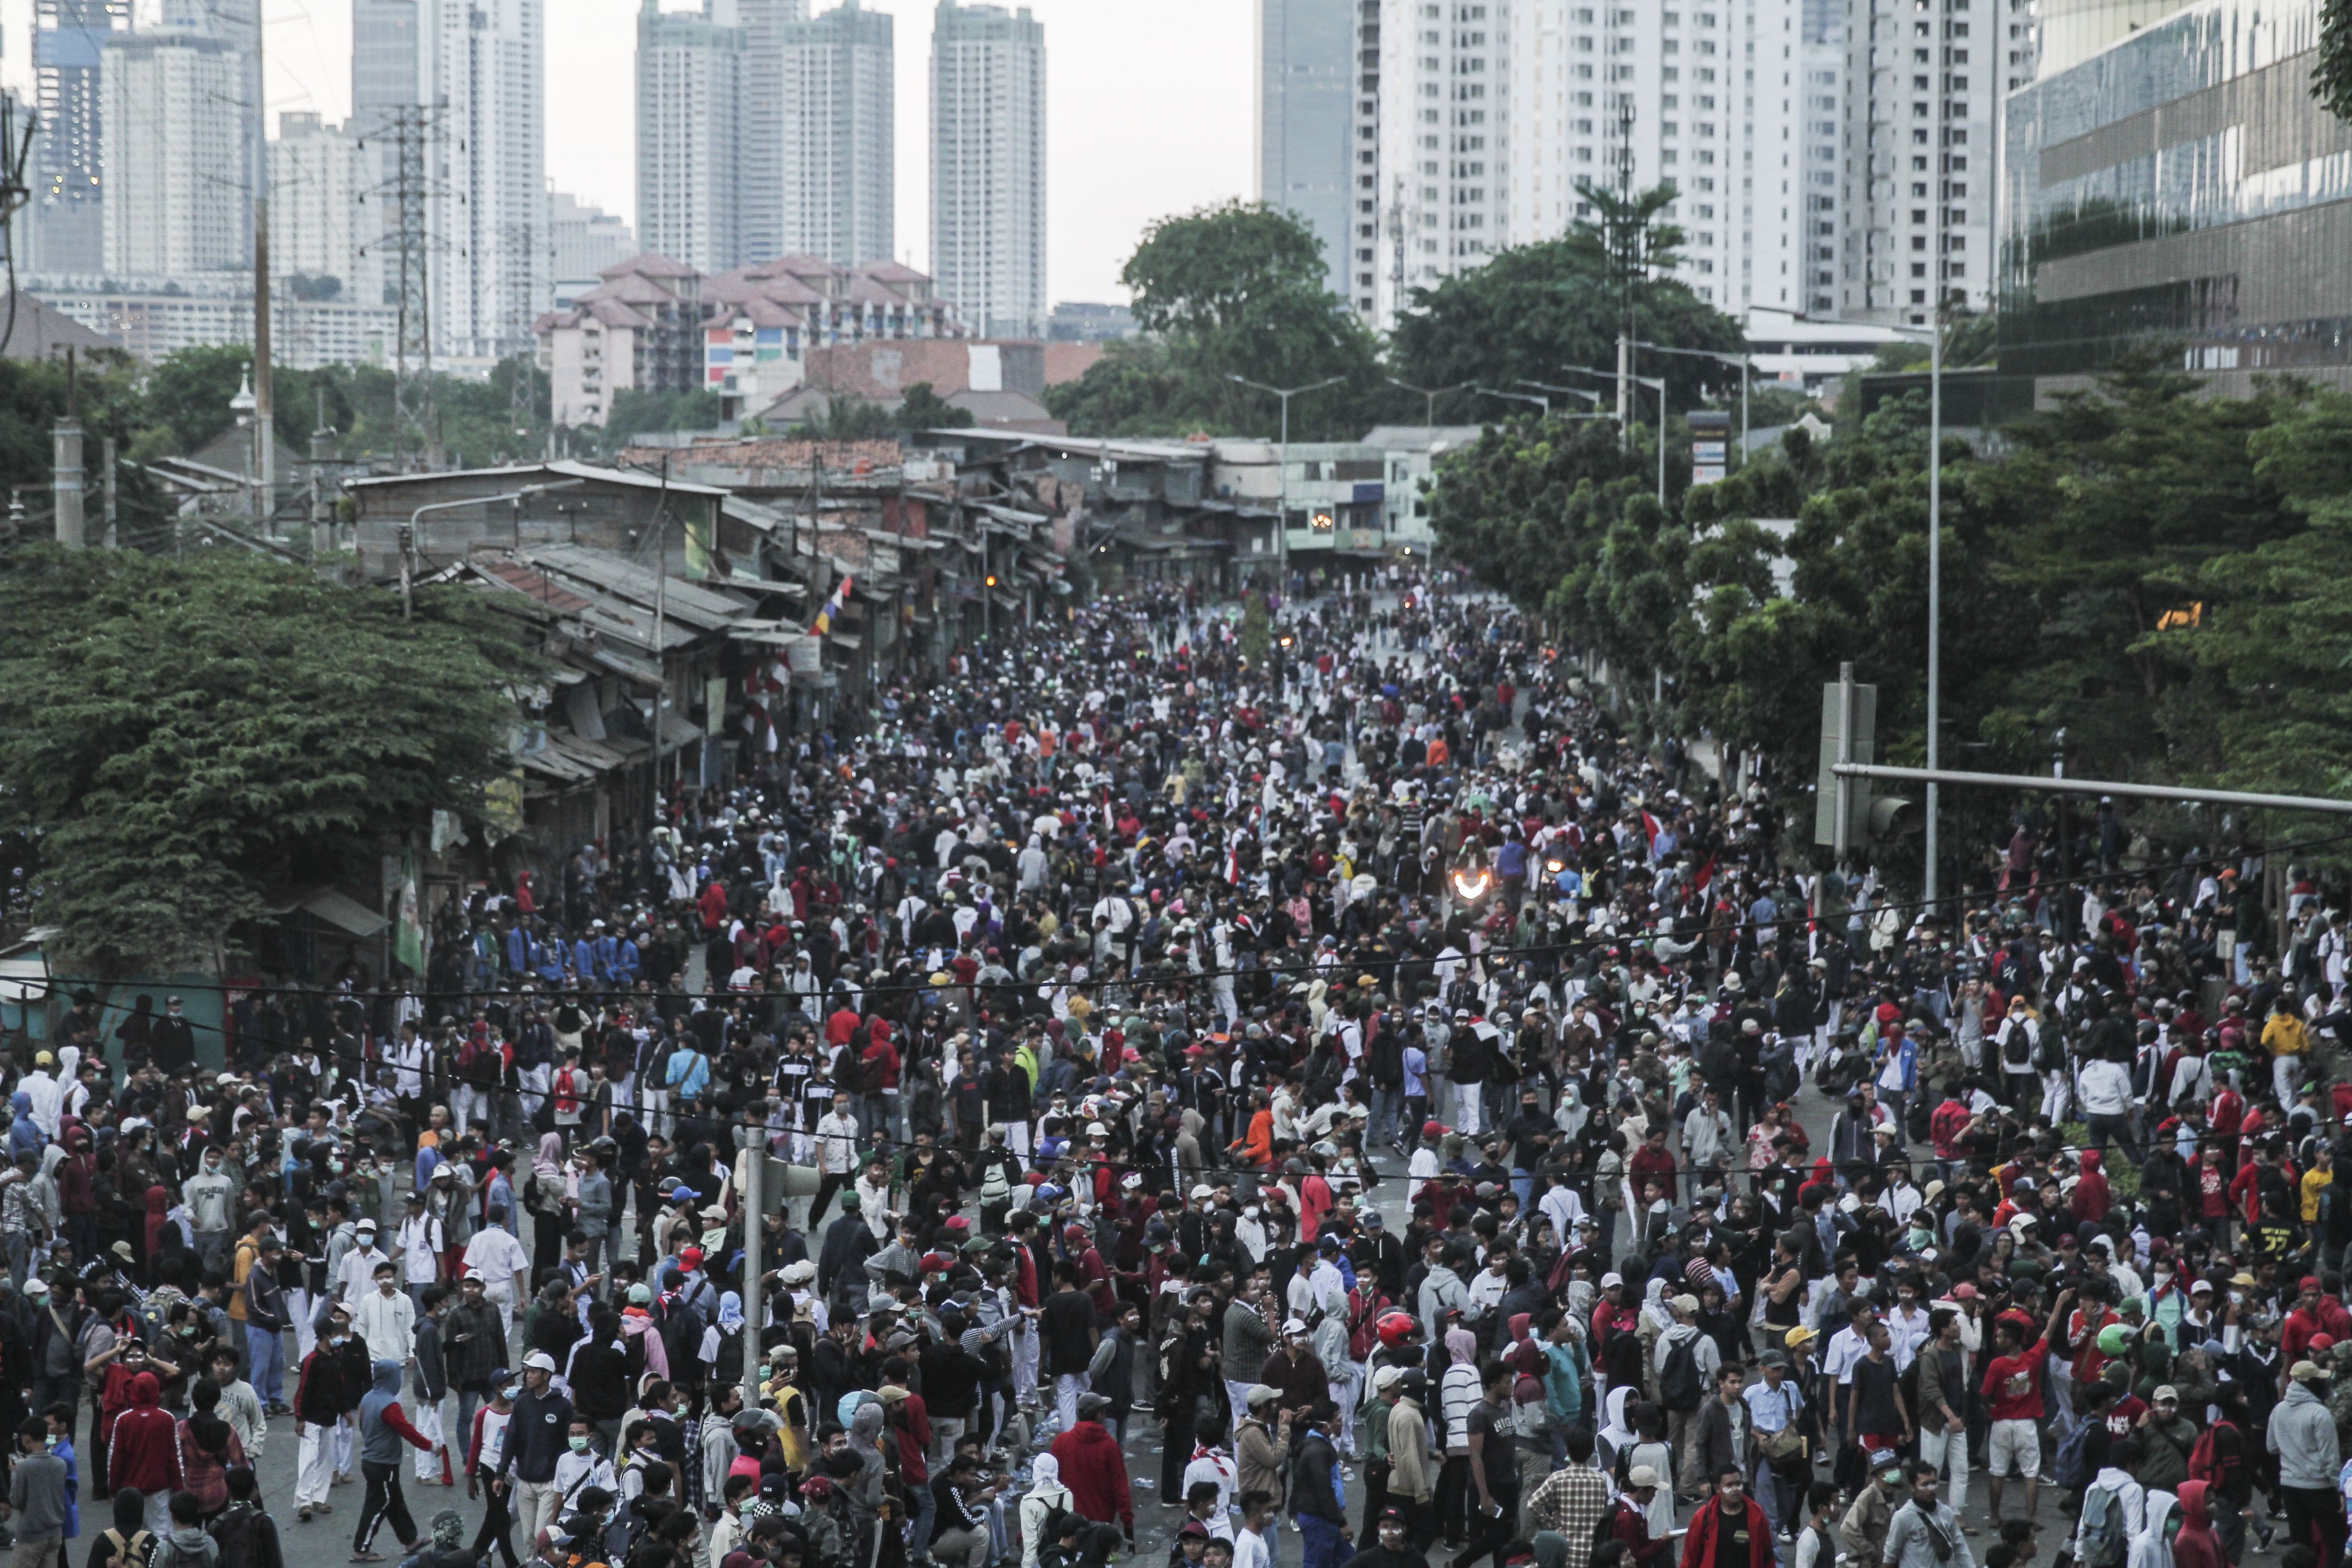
(1490, 1532)
(1376, 1498)
(383, 1503)
(826, 1187)
(1453, 1493)
(498, 1527)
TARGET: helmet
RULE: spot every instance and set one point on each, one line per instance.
(1395, 1328)
(2114, 1340)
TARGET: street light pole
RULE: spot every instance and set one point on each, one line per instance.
(1542, 403)
(1282, 524)
(1935, 334)
(1429, 397)
(1746, 374)
(1934, 576)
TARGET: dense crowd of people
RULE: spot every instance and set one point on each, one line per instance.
(1326, 1042)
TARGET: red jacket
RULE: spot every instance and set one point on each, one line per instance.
(1096, 1472)
(142, 1450)
(1698, 1544)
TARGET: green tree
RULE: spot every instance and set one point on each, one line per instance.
(2269, 629)
(182, 739)
(1236, 289)
(924, 409)
(1536, 312)
(2331, 70)
(2107, 503)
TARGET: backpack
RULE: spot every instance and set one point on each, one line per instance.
(1678, 1380)
(1604, 1529)
(168, 1554)
(2102, 1530)
(132, 1553)
(2074, 1468)
(2017, 1049)
(1365, 1305)
(480, 1064)
(237, 1535)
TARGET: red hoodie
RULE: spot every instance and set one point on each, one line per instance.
(142, 1450)
(2090, 1197)
(1096, 1472)
(2197, 1546)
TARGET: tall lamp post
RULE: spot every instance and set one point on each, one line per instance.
(1542, 403)
(1591, 397)
(1746, 371)
(1282, 524)
(1654, 383)
(1429, 397)
(1935, 336)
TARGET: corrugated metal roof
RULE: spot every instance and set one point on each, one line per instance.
(705, 608)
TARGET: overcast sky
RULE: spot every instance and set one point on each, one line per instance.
(1149, 114)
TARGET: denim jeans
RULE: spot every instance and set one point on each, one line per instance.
(265, 1352)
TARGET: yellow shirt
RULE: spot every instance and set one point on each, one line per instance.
(2315, 1181)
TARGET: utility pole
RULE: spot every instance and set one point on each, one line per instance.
(65, 463)
(322, 515)
(106, 491)
(265, 400)
(1628, 262)
(522, 278)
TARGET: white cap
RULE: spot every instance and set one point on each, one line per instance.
(1204, 1191)
(1096, 1129)
(1295, 1326)
(538, 1360)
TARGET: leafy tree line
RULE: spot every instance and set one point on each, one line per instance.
(1238, 291)
(2164, 575)
(181, 405)
(180, 739)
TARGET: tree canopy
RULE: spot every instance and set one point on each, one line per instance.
(180, 739)
(2159, 573)
(1237, 289)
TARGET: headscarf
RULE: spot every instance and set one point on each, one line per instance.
(548, 1161)
(1047, 1478)
(731, 1313)
(450, 1528)
(1654, 1307)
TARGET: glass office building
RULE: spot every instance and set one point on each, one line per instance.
(2180, 186)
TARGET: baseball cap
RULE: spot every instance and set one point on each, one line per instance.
(1641, 1476)
(538, 1360)
(2164, 1392)
(1264, 1393)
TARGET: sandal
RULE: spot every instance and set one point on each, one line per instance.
(367, 1556)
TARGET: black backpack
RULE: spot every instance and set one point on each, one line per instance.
(1678, 1380)
(237, 1534)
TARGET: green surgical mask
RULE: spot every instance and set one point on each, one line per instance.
(579, 1445)
(751, 1500)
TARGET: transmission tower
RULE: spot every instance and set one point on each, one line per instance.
(412, 132)
(522, 313)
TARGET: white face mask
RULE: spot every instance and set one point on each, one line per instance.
(2238, 1296)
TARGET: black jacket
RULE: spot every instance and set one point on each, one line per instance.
(536, 1435)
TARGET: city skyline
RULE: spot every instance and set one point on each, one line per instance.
(1184, 125)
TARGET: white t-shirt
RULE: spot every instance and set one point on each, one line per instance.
(421, 1241)
(499, 1259)
(1250, 1551)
